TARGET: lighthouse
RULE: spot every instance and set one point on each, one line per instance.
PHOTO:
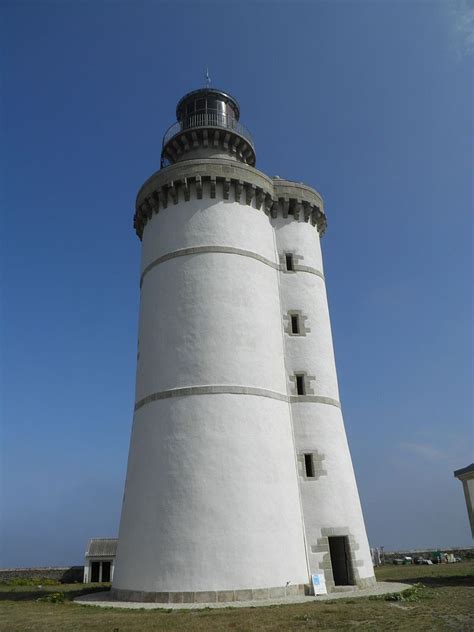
(240, 482)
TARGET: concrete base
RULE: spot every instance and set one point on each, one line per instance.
(106, 600)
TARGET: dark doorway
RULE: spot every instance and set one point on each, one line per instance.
(340, 560)
(105, 571)
(95, 571)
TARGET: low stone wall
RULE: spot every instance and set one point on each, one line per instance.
(465, 554)
(64, 575)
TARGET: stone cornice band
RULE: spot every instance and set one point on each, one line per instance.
(274, 196)
(196, 250)
(230, 389)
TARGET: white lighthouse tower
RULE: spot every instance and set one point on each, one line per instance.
(240, 482)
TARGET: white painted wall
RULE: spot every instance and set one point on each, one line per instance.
(211, 497)
(211, 500)
(207, 222)
(210, 319)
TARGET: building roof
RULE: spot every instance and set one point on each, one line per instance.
(102, 547)
(204, 92)
(465, 470)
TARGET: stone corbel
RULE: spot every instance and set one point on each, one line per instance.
(199, 187)
(213, 186)
(274, 209)
(249, 192)
(285, 207)
(235, 144)
(296, 208)
(238, 186)
(259, 197)
(226, 188)
(155, 201)
(177, 147)
(267, 204)
(173, 189)
(184, 140)
(163, 197)
(185, 186)
(147, 209)
(138, 224)
(307, 211)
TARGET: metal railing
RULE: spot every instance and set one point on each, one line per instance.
(208, 119)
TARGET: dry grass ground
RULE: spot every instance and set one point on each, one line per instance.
(445, 603)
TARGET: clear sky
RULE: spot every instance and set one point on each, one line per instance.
(371, 103)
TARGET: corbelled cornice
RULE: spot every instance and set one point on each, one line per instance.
(231, 180)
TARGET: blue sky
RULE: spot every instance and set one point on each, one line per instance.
(369, 102)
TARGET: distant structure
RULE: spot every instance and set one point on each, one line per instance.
(240, 482)
(100, 560)
(466, 476)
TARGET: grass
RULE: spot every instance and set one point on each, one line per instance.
(445, 601)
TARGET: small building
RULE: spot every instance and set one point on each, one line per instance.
(100, 560)
(466, 476)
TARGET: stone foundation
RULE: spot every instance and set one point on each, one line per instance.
(211, 596)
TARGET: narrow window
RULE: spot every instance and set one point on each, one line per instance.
(295, 324)
(300, 384)
(309, 465)
(289, 261)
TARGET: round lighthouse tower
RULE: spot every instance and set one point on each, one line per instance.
(239, 483)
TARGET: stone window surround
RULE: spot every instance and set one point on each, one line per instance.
(296, 259)
(307, 379)
(318, 469)
(325, 565)
(297, 267)
(303, 328)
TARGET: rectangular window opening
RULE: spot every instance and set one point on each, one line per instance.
(295, 324)
(300, 384)
(309, 465)
(289, 261)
